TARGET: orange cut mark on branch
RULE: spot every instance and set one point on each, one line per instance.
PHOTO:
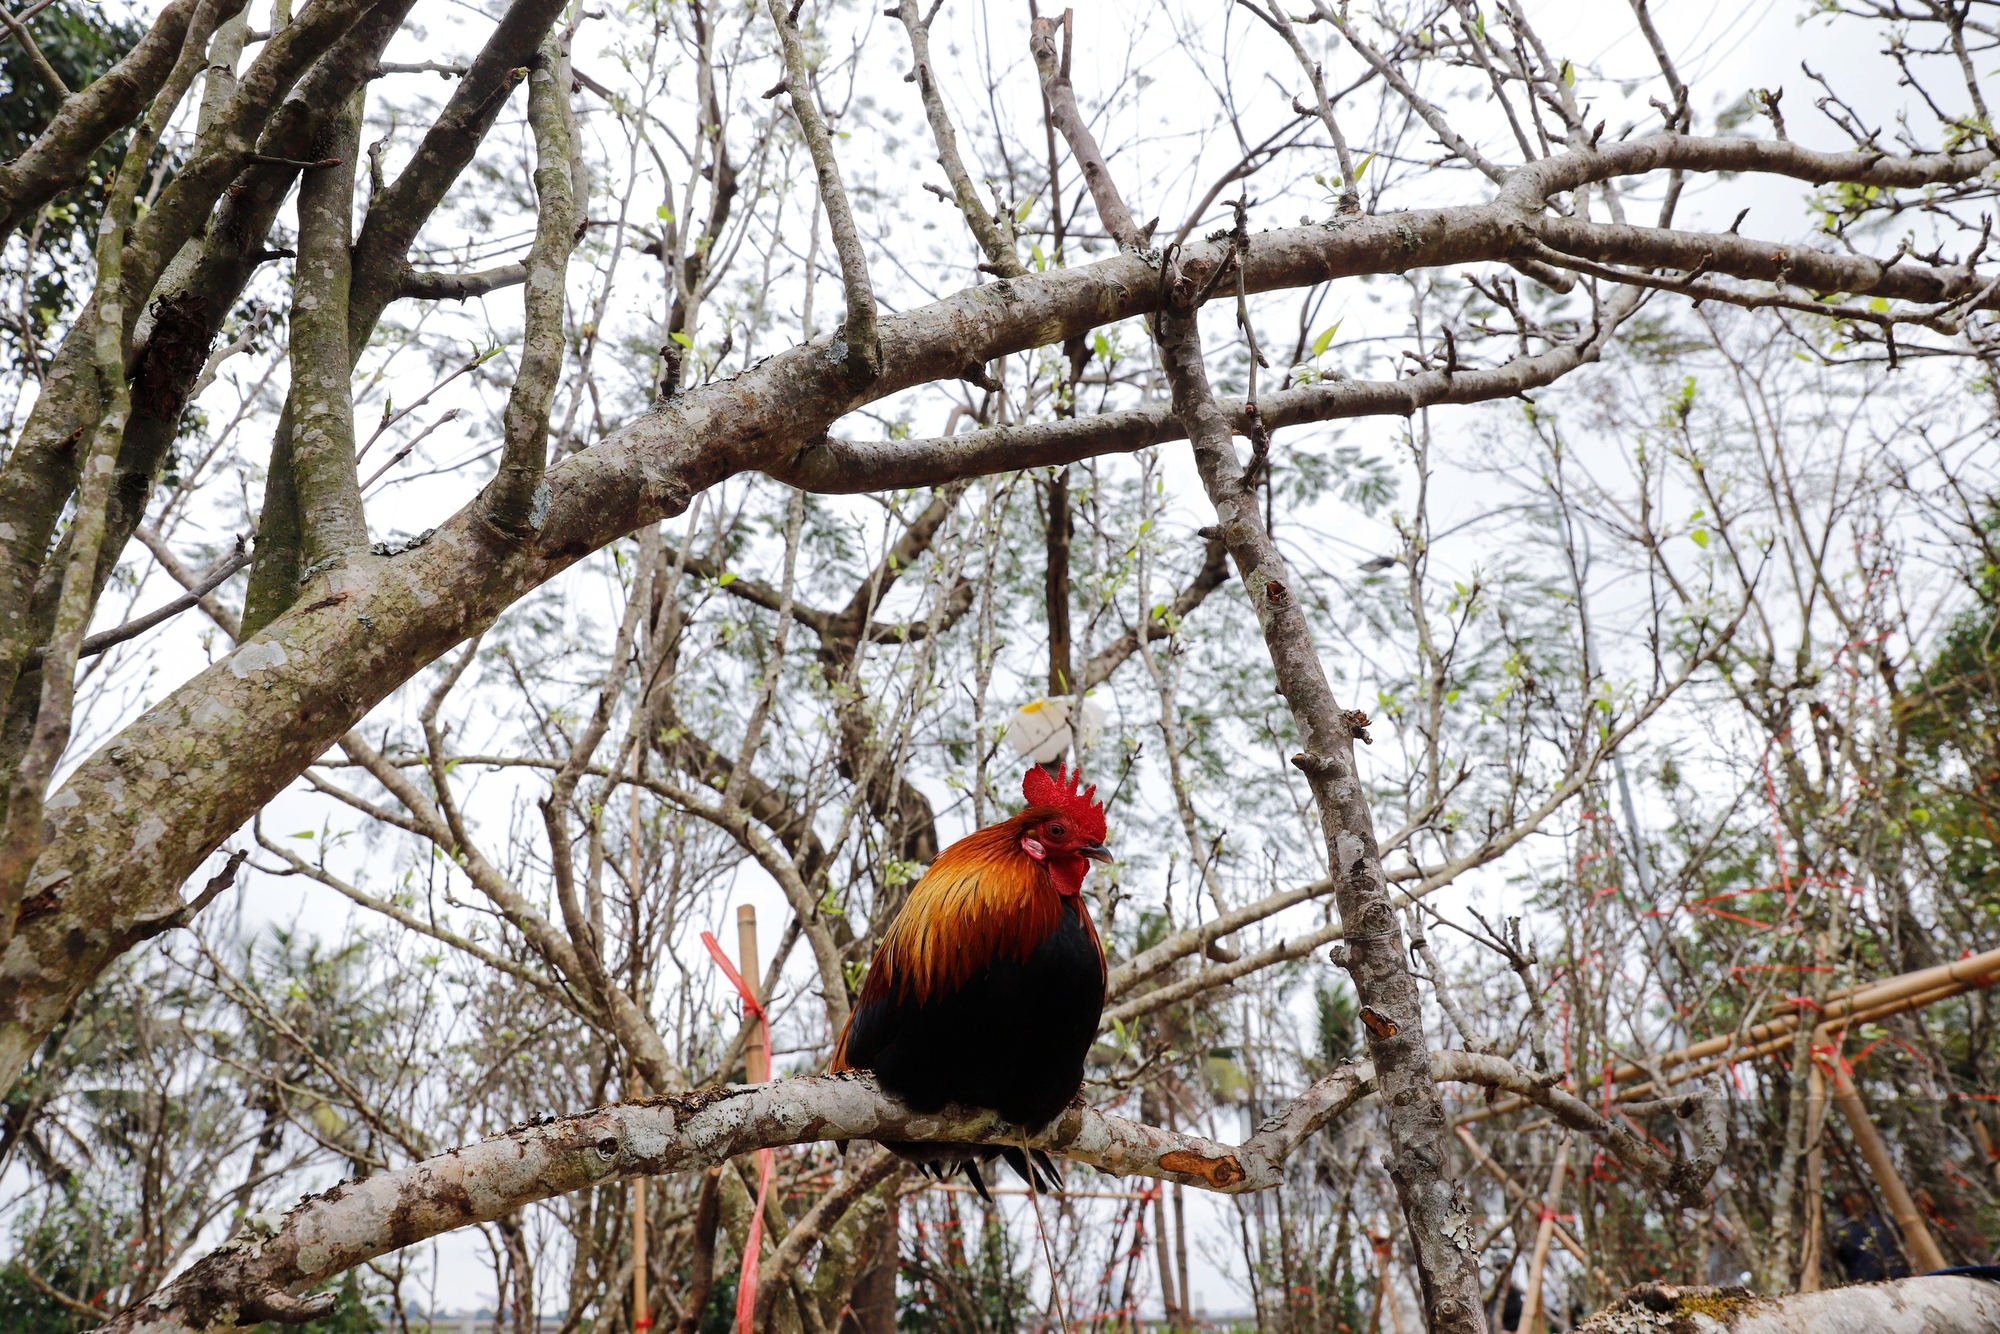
(1220, 1173)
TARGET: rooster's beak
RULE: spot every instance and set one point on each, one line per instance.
(1097, 852)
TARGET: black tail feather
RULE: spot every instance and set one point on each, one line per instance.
(978, 1180)
(942, 1162)
(1039, 1172)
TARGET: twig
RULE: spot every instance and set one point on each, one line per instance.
(862, 353)
(139, 625)
(18, 27)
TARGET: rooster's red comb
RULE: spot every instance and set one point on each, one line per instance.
(1066, 793)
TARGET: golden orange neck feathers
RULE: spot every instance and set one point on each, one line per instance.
(983, 898)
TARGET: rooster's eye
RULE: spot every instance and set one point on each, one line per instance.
(1057, 831)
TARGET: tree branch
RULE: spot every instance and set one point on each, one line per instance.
(835, 466)
(326, 1234)
(267, 712)
(1056, 87)
(1213, 574)
(985, 230)
(139, 625)
(857, 344)
(422, 286)
(60, 156)
(1928, 1304)
(332, 527)
(808, 1232)
(515, 497)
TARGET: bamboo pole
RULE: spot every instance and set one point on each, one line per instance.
(756, 1060)
(642, 1314)
(1924, 1253)
(1381, 1244)
(642, 1310)
(1783, 1042)
(1809, 1254)
(1164, 1246)
(1532, 1310)
(1893, 995)
(1180, 1245)
(1515, 1191)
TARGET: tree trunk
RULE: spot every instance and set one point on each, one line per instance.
(1433, 1204)
(872, 1308)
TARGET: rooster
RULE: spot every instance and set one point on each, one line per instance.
(987, 989)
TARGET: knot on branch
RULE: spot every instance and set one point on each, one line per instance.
(1316, 766)
(975, 373)
(280, 1307)
(861, 362)
(1381, 1025)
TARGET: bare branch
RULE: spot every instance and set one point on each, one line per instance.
(1111, 210)
(858, 343)
(999, 251)
(420, 286)
(514, 497)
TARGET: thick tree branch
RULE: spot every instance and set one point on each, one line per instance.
(835, 466)
(398, 213)
(332, 527)
(1930, 1304)
(249, 126)
(1433, 1204)
(24, 832)
(515, 494)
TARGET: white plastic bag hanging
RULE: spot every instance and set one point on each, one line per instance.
(1040, 729)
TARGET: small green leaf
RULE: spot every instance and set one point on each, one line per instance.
(1362, 170)
(1021, 213)
(726, 580)
(682, 339)
(303, 833)
(1325, 339)
(1700, 536)
(1880, 305)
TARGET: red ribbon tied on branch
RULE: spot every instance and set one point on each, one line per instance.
(753, 1245)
